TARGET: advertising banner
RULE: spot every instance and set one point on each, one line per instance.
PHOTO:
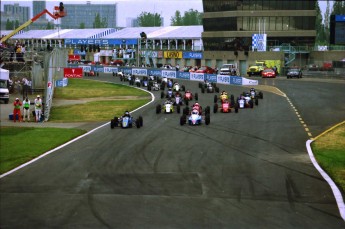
(169, 74)
(235, 80)
(74, 57)
(192, 55)
(183, 75)
(86, 68)
(197, 76)
(110, 69)
(246, 81)
(212, 78)
(259, 42)
(173, 54)
(223, 79)
(139, 71)
(97, 68)
(154, 72)
(61, 83)
(101, 42)
(73, 72)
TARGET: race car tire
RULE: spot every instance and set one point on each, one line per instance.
(137, 123)
(207, 119)
(112, 124)
(236, 108)
(196, 96)
(207, 110)
(183, 88)
(256, 101)
(251, 105)
(186, 111)
(162, 95)
(182, 120)
(149, 87)
(215, 108)
(138, 84)
(261, 95)
(178, 109)
(187, 102)
(85, 74)
(214, 84)
(162, 87)
(215, 98)
(116, 121)
(141, 120)
(158, 109)
(217, 89)
(200, 85)
(202, 90)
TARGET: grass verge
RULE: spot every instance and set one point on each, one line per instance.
(22, 144)
(329, 151)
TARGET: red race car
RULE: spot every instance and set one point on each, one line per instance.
(268, 73)
(225, 107)
(188, 96)
(206, 69)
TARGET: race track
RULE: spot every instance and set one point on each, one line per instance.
(244, 170)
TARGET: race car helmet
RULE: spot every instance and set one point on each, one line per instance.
(252, 89)
(126, 113)
(196, 104)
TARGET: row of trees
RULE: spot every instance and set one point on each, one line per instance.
(322, 24)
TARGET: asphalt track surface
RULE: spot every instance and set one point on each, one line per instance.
(244, 170)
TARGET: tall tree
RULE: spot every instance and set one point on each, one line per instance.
(9, 24)
(177, 19)
(100, 23)
(146, 19)
(338, 8)
(82, 25)
(319, 27)
(191, 17)
(326, 21)
(49, 26)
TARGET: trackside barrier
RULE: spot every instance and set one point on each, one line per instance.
(172, 74)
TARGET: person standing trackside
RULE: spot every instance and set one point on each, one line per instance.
(26, 109)
(16, 110)
(38, 108)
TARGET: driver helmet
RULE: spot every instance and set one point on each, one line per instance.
(252, 89)
(196, 104)
(127, 113)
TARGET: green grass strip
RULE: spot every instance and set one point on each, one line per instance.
(22, 144)
(329, 151)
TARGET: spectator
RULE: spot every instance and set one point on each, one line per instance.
(16, 110)
(26, 109)
(38, 108)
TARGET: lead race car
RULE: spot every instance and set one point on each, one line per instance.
(126, 121)
(195, 118)
(167, 108)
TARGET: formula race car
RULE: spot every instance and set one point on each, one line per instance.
(254, 94)
(208, 87)
(167, 108)
(91, 73)
(225, 107)
(126, 121)
(154, 87)
(245, 101)
(198, 107)
(169, 94)
(178, 87)
(178, 99)
(222, 97)
(195, 118)
(188, 96)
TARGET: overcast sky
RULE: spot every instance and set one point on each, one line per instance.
(133, 8)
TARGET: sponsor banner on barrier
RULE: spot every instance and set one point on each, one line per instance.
(79, 52)
(212, 78)
(125, 70)
(97, 69)
(169, 74)
(86, 68)
(74, 57)
(61, 83)
(183, 75)
(73, 72)
(246, 81)
(173, 54)
(110, 69)
(235, 80)
(154, 72)
(139, 71)
(223, 79)
(197, 76)
(192, 55)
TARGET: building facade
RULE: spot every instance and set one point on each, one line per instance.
(78, 14)
(38, 7)
(16, 12)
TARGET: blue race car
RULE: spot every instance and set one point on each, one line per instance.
(126, 121)
(195, 118)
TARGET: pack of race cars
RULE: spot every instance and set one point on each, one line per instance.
(175, 96)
